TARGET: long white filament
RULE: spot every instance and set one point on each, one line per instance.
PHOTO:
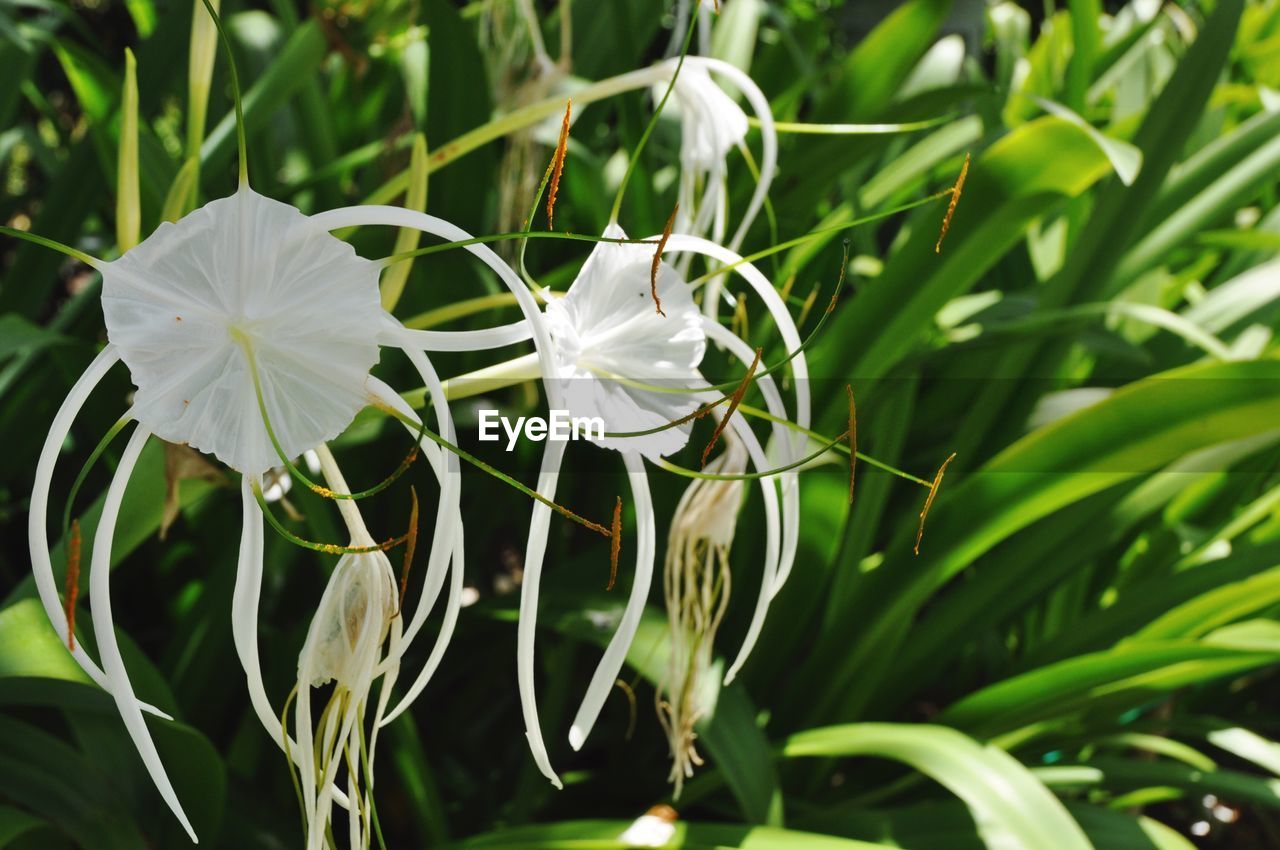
(38, 515)
(535, 551)
(615, 653)
(399, 217)
(104, 628)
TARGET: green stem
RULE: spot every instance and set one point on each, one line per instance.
(313, 486)
(46, 242)
(818, 234)
(235, 92)
(516, 234)
(653, 119)
(499, 474)
(326, 548)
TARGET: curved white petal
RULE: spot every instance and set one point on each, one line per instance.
(789, 481)
(399, 217)
(38, 514)
(447, 541)
(244, 622)
(535, 552)
(791, 444)
(104, 628)
(479, 340)
(615, 653)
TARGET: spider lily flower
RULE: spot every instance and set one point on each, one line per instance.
(618, 358)
(249, 332)
(696, 582)
(712, 126)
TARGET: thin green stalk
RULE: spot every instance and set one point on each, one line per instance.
(46, 242)
(518, 234)
(326, 548)
(287, 462)
(817, 234)
(855, 129)
(749, 476)
(653, 119)
(235, 92)
(88, 465)
(498, 474)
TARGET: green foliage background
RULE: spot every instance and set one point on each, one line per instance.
(1088, 635)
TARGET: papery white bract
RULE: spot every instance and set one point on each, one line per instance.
(607, 331)
(244, 271)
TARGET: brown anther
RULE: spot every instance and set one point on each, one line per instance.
(410, 545)
(177, 318)
(557, 166)
(657, 260)
(928, 501)
(734, 401)
(951, 206)
(73, 582)
(631, 703)
(615, 544)
(853, 440)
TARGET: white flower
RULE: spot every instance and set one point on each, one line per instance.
(615, 355)
(607, 326)
(712, 126)
(244, 283)
(248, 287)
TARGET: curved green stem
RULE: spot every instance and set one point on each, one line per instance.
(235, 92)
(653, 119)
(515, 234)
(46, 242)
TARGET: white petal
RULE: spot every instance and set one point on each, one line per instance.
(615, 653)
(104, 629)
(399, 217)
(535, 552)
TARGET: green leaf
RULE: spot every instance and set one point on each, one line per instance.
(15, 823)
(1010, 806)
(1010, 185)
(1128, 675)
(1199, 616)
(18, 335)
(30, 647)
